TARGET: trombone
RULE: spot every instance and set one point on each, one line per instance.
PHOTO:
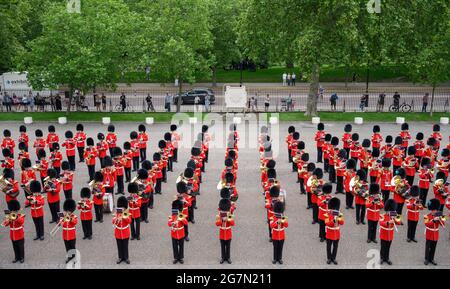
(66, 218)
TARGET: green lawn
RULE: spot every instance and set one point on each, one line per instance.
(273, 75)
(164, 117)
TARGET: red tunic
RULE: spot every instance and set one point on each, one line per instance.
(347, 140)
(8, 163)
(27, 176)
(14, 190)
(177, 227)
(135, 146)
(376, 140)
(70, 145)
(333, 227)
(121, 227)
(384, 179)
(67, 180)
(413, 210)
(407, 165)
(102, 149)
(56, 158)
(16, 231)
(85, 210)
(397, 197)
(8, 143)
(225, 228)
(406, 136)
(111, 140)
(51, 139)
(37, 205)
(373, 209)
(90, 153)
(387, 227)
(43, 167)
(322, 202)
(143, 139)
(278, 229)
(319, 138)
(425, 178)
(98, 192)
(442, 194)
(39, 143)
(24, 138)
(80, 138)
(53, 194)
(135, 206)
(355, 151)
(432, 227)
(420, 148)
(398, 155)
(69, 230)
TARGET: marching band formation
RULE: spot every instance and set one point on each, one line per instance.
(376, 177)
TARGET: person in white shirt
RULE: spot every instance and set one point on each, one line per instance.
(289, 79)
(294, 77)
(284, 79)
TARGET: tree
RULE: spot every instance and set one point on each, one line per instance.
(83, 50)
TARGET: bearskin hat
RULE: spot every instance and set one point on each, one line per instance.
(414, 191)
(271, 173)
(80, 127)
(8, 173)
(311, 167)
(107, 161)
(375, 152)
(111, 128)
(117, 152)
(85, 193)
(173, 127)
(191, 164)
(301, 145)
(195, 151)
(68, 134)
(405, 126)
(14, 205)
(122, 202)
(388, 139)
(52, 173)
(348, 128)
(441, 176)
(225, 193)
(411, 150)
(51, 128)
(141, 128)
(182, 188)
(398, 140)
(133, 188)
(431, 142)
(69, 205)
(334, 204)
(328, 137)
(162, 144)
(127, 146)
(22, 146)
(142, 174)
(225, 205)
(98, 176)
(361, 174)
(90, 141)
(390, 205)
(342, 154)
(296, 135)
(355, 137)
(335, 141)
(7, 133)
(419, 136)
(400, 172)
(386, 163)
(22, 128)
(35, 187)
(232, 154)
(147, 165)
(327, 188)
(305, 157)
(445, 153)
(318, 172)
(41, 153)
(6, 152)
(100, 136)
(374, 188)
(38, 133)
(436, 128)
(188, 173)
(425, 162)
(271, 164)
(274, 191)
(366, 143)
(177, 205)
(156, 157)
(433, 205)
(204, 128)
(55, 146)
(376, 129)
(65, 165)
(291, 129)
(167, 136)
(133, 135)
(26, 163)
(278, 207)
(229, 177)
(351, 164)
(320, 126)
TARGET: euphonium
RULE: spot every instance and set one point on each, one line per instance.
(92, 183)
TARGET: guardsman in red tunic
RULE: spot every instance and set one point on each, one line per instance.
(8, 162)
(229, 168)
(23, 137)
(80, 139)
(225, 221)
(315, 182)
(206, 140)
(157, 168)
(183, 196)
(386, 150)
(146, 189)
(347, 138)
(98, 192)
(226, 194)
(177, 224)
(437, 136)
(414, 206)
(425, 179)
(189, 178)
(348, 176)
(52, 137)
(134, 204)
(410, 165)
(320, 140)
(56, 158)
(291, 131)
(433, 221)
(26, 176)
(355, 148)
(68, 221)
(135, 148)
(39, 142)
(175, 140)
(85, 207)
(8, 142)
(365, 156)
(143, 140)
(15, 220)
(430, 152)
(397, 154)
(119, 163)
(405, 135)
(419, 144)
(322, 201)
(375, 166)
(334, 219)
(326, 149)
(332, 154)
(302, 170)
(36, 201)
(340, 168)
(278, 224)
(41, 165)
(52, 187)
(376, 138)
(441, 190)
(109, 175)
(169, 148)
(121, 222)
(90, 154)
(443, 165)
(23, 153)
(384, 179)
(70, 145)
(388, 222)
(360, 189)
(373, 205)
(309, 171)
(400, 189)
(273, 197)
(66, 179)
(111, 139)
(102, 149)
(11, 189)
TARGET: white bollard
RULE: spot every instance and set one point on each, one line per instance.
(400, 120)
(62, 120)
(192, 120)
(106, 120)
(444, 120)
(28, 120)
(237, 120)
(359, 120)
(149, 120)
(273, 120)
(315, 120)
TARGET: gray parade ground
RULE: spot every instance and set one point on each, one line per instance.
(250, 247)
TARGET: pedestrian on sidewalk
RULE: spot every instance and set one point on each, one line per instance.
(289, 79)
(294, 77)
(266, 103)
(149, 101)
(284, 79)
(425, 102)
(333, 99)
(380, 103)
(168, 102)
(103, 102)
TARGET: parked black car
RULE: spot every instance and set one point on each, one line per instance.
(189, 96)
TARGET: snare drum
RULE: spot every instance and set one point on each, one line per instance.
(108, 203)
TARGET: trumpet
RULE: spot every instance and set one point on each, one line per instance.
(5, 185)
(181, 217)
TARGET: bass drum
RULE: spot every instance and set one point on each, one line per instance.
(108, 203)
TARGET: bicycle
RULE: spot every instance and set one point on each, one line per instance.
(128, 108)
(404, 107)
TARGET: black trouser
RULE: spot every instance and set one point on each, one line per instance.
(400, 208)
(87, 228)
(111, 152)
(348, 151)
(410, 180)
(102, 162)
(322, 232)
(356, 161)
(164, 174)
(332, 174)
(326, 165)
(372, 230)
(191, 213)
(91, 171)
(71, 160)
(349, 199)
(158, 186)
(54, 209)
(360, 213)
(70, 245)
(308, 200)
(68, 194)
(386, 194)
(384, 252)
(81, 153)
(373, 179)
(423, 195)
(58, 170)
(332, 247)
(143, 154)
(98, 212)
(302, 186)
(186, 231)
(151, 200)
(120, 187)
(175, 155)
(412, 225)
(144, 211)
(441, 207)
(319, 154)
(127, 175)
(430, 249)
(225, 249)
(178, 249)
(135, 163)
(39, 226)
(19, 249)
(294, 167)
(206, 155)
(135, 227)
(170, 165)
(394, 169)
(122, 248)
(289, 155)
(315, 212)
(340, 185)
(278, 250)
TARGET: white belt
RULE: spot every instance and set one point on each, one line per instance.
(387, 229)
(425, 180)
(372, 210)
(134, 209)
(225, 228)
(412, 211)
(322, 209)
(332, 228)
(15, 229)
(68, 229)
(278, 229)
(433, 230)
(177, 229)
(85, 211)
(37, 208)
(122, 228)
